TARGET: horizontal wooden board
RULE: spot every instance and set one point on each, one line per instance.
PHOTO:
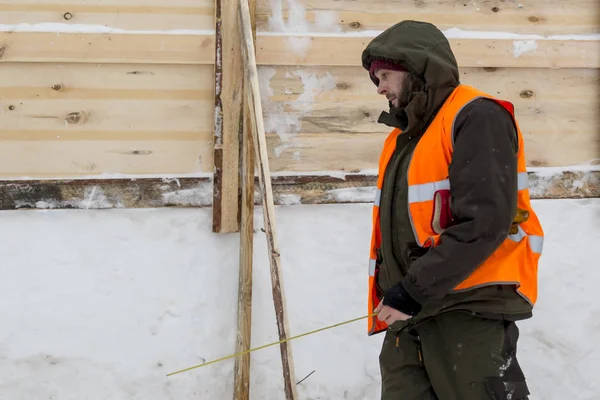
(557, 110)
(346, 51)
(356, 152)
(67, 76)
(105, 102)
(102, 116)
(542, 17)
(124, 15)
(78, 119)
(344, 99)
(304, 153)
(106, 48)
(76, 158)
(197, 192)
(278, 50)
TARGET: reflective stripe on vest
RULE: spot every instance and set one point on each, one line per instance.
(372, 265)
(377, 197)
(536, 242)
(426, 192)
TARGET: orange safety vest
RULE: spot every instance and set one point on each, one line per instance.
(514, 262)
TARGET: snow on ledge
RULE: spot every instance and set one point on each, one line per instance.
(110, 176)
(540, 171)
(551, 171)
(452, 33)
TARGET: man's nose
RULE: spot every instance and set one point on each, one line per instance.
(381, 90)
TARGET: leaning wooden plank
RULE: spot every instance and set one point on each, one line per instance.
(287, 190)
(260, 143)
(244, 322)
(543, 17)
(244, 327)
(280, 50)
(227, 117)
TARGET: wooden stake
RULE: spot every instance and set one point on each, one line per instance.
(260, 143)
(227, 118)
(242, 363)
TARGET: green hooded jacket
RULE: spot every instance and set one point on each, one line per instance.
(483, 176)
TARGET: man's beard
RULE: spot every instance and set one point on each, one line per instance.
(412, 83)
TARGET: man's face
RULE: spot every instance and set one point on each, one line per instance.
(392, 86)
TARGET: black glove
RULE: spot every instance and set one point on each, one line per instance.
(397, 297)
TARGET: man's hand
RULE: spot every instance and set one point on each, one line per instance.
(390, 315)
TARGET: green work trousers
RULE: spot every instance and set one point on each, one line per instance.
(453, 356)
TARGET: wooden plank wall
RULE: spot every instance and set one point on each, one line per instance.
(100, 88)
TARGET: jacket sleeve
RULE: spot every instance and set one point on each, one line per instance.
(484, 183)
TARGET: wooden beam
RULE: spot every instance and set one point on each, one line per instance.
(287, 190)
(346, 50)
(264, 175)
(157, 119)
(247, 167)
(227, 118)
(274, 49)
(542, 17)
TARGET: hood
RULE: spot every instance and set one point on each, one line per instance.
(421, 48)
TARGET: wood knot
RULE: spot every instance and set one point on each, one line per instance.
(68, 16)
(141, 152)
(490, 69)
(11, 107)
(495, 9)
(58, 87)
(140, 73)
(342, 86)
(2, 50)
(526, 94)
(76, 117)
(366, 114)
(534, 19)
(355, 25)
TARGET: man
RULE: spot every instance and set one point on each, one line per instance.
(455, 244)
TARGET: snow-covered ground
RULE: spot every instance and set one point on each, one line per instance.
(102, 304)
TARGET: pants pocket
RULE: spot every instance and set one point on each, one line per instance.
(506, 389)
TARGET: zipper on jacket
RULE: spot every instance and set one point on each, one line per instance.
(420, 350)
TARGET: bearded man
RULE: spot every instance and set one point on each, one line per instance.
(455, 243)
